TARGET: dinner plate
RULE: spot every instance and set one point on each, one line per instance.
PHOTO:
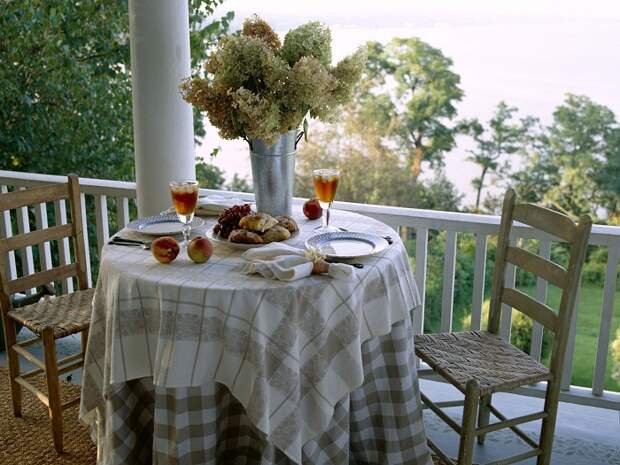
(162, 225)
(347, 244)
(238, 245)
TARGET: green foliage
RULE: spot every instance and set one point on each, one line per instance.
(65, 85)
(494, 144)
(209, 176)
(571, 165)
(408, 93)
(239, 184)
(255, 90)
(615, 350)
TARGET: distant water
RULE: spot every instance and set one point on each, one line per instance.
(531, 65)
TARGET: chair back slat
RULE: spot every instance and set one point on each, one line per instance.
(531, 307)
(24, 198)
(533, 263)
(41, 278)
(74, 230)
(546, 220)
(36, 237)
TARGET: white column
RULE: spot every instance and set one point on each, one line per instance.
(162, 121)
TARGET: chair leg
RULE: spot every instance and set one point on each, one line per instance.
(84, 338)
(53, 387)
(548, 424)
(10, 339)
(484, 414)
(470, 416)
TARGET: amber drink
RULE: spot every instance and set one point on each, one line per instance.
(325, 186)
(185, 199)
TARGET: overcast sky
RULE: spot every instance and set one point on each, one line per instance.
(529, 53)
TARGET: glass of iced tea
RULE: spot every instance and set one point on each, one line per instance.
(325, 185)
(185, 199)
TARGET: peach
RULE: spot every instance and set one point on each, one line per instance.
(165, 249)
(200, 249)
(312, 209)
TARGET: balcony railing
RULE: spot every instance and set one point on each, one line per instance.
(111, 203)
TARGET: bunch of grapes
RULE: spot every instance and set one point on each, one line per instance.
(229, 219)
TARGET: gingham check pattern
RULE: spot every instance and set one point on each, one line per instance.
(288, 352)
(378, 423)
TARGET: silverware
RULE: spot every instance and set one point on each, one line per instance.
(388, 239)
(129, 241)
(354, 265)
(144, 246)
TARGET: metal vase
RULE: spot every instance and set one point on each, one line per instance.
(273, 172)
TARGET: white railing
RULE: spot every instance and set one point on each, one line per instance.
(422, 221)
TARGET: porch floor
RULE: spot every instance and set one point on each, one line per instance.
(584, 435)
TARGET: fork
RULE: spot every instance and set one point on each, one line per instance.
(388, 239)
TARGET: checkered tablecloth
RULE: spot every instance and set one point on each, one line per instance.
(288, 353)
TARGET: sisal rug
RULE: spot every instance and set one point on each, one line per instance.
(28, 440)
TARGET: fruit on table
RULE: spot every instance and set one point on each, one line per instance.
(312, 209)
(165, 249)
(200, 249)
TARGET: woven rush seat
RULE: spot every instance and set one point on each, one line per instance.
(66, 314)
(496, 364)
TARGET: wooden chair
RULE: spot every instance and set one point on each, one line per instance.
(480, 363)
(52, 317)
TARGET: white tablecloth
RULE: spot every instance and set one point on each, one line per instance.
(287, 351)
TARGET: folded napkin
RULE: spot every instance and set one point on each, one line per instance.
(213, 205)
(286, 263)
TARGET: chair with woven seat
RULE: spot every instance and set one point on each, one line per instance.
(481, 363)
(52, 317)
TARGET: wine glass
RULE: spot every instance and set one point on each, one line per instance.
(185, 199)
(325, 185)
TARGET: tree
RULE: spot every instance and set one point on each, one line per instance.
(501, 138)
(568, 164)
(65, 84)
(408, 94)
(209, 176)
(239, 184)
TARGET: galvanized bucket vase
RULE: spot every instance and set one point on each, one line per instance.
(273, 171)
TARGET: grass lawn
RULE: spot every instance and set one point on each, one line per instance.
(588, 323)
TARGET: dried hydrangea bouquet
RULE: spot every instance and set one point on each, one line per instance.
(263, 91)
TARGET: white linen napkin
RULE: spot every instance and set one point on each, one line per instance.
(213, 205)
(286, 263)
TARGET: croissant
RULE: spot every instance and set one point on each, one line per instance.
(259, 222)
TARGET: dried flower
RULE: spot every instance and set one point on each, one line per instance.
(256, 27)
(256, 90)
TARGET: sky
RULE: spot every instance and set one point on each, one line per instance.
(528, 53)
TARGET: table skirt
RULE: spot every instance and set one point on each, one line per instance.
(378, 423)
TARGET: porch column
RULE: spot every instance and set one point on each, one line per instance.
(162, 121)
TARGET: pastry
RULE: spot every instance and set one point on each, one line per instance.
(276, 233)
(258, 222)
(244, 236)
(288, 222)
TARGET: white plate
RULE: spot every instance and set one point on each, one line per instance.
(162, 225)
(237, 245)
(347, 244)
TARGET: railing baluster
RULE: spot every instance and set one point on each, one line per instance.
(64, 250)
(544, 250)
(6, 230)
(101, 221)
(509, 282)
(23, 227)
(567, 370)
(45, 253)
(609, 291)
(421, 243)
(122, 212)
(479, 270)
(89, 276)
(449, 266)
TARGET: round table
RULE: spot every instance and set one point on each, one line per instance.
(290, 355)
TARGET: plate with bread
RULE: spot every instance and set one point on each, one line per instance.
(239, 227)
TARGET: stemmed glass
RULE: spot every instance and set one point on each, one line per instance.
(185, 199)
(325, 185)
